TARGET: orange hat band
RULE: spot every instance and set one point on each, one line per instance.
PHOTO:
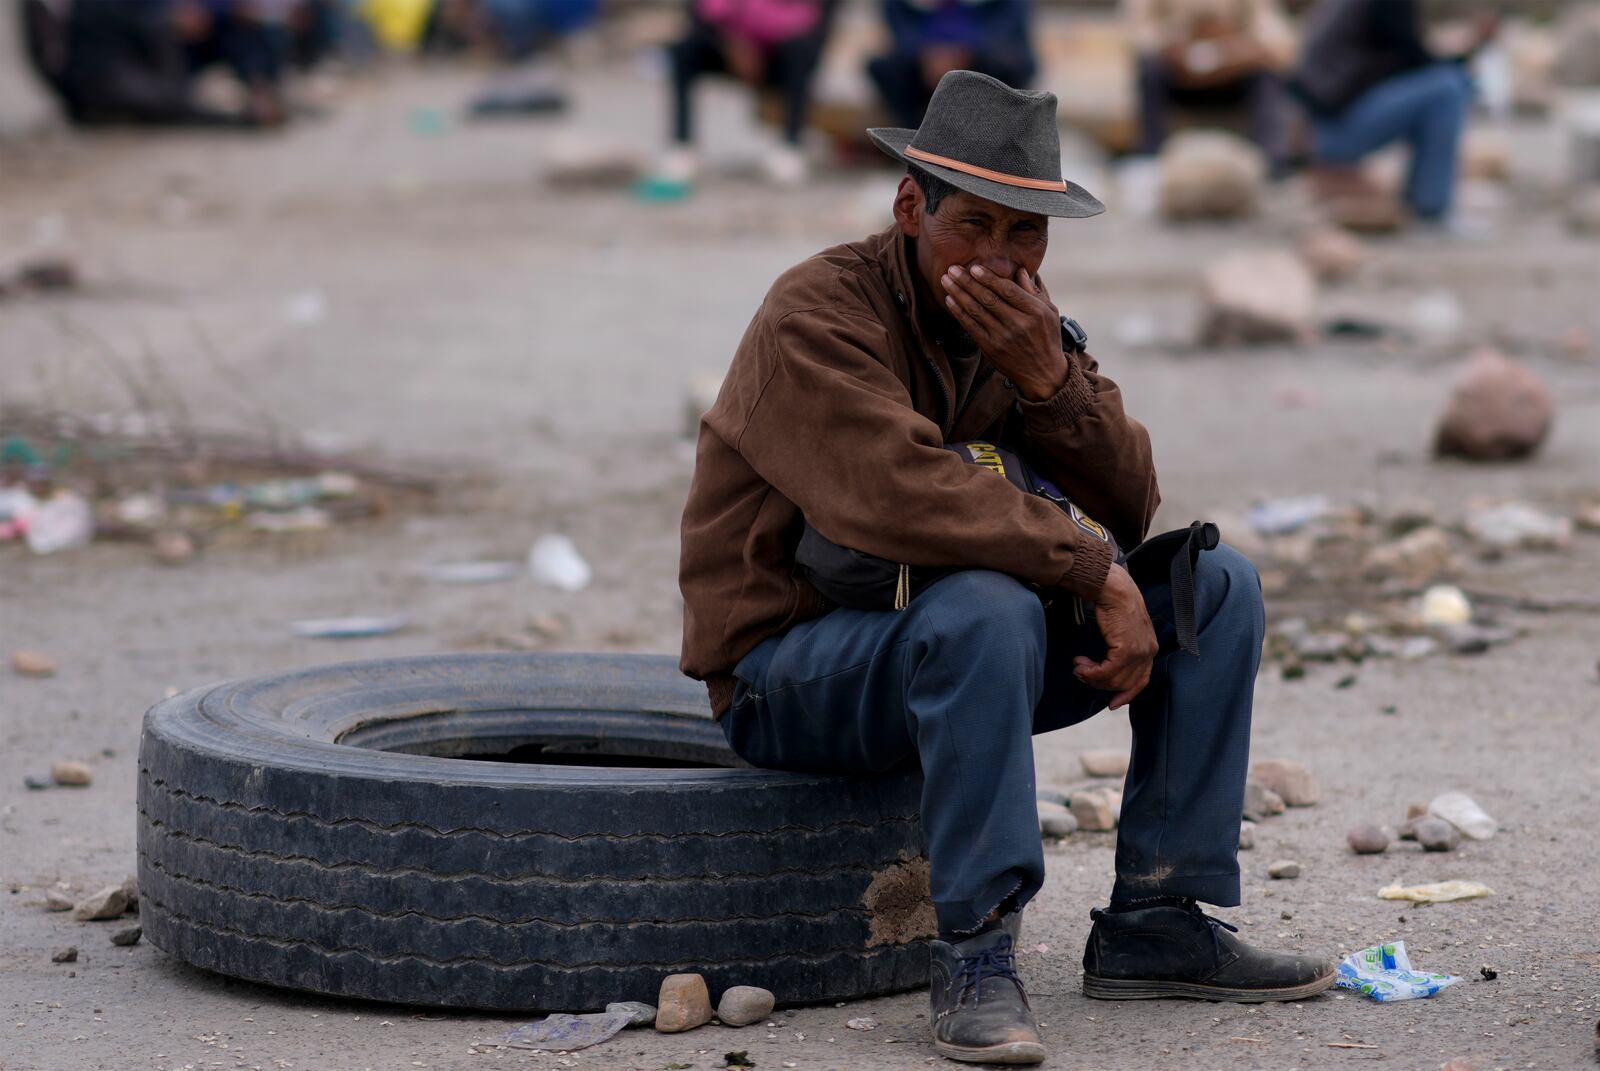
(1056, 185)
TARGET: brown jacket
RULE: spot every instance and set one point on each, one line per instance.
(835, 410)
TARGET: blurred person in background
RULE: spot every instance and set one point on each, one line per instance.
(931, 38)
(522, 28)
(1212, 54)
(1367, 78)
(766, 44)
(138, 60)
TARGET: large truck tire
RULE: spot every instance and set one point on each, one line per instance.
(514, 832)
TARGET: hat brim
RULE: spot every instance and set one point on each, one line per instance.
(1073, 203)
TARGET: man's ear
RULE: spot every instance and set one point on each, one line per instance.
(908, 207)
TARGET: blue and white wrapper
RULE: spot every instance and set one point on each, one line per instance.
(1384, 973)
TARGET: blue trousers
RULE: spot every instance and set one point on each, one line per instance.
(962, 680)
(1427, 108)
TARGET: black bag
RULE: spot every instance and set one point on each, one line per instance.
(860, 581)
(864, 582)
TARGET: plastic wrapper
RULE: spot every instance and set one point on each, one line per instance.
(1384, 973)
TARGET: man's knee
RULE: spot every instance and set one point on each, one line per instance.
(981, 610)
(1233, 576)
(1446, 85)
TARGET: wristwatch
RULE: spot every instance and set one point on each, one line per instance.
(1074, 339)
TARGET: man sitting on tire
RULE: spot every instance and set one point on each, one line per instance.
(862, 366)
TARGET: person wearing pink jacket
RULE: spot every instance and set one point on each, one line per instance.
(767, 44)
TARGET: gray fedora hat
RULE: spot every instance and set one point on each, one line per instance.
(995, 142)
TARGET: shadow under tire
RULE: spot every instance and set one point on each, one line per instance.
(332, 830)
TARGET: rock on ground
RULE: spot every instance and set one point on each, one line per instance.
(1256, 297)
(1106, 763)
(1577, 61)
(66, 955)
(1583, 210)
(684, 1004)
(1289, 779)
(643, 1014)
(1485, 155)
(173, 547)
(72, 773)
(108, 903)
(1499, 410)
(1367, 839)
(1437, 835)
(1210, 174)
(1093, 811)
(1261, 802)
(1056, 820)
(55, 900)
(30, 663)
(1283, 869)
(1422, 554)
(1247, 835)
(128, 935)
(742, 1005)
(1332, 253)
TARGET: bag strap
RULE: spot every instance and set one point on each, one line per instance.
(1203, 535)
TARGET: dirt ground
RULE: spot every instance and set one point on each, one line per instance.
(380, 280)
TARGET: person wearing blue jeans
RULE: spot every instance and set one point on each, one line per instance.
(1368, 79)
(964, 678)
(889, 401)
(1426, 108)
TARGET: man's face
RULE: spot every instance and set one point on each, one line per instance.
(968, 230)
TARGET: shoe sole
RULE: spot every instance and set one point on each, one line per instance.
(1013, 1052)
(1134, 989)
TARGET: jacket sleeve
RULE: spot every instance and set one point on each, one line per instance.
(1083, 441)
(834, 431)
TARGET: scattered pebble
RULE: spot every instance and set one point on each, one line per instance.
(1056, 820)
(1289, 779)
(1093, 811)
(864, 1023)
(66, 955)
(173, 547)
(1367, 840)
(55, 900)
(36, 784)
(1437, 835)
(1463, 812)
(1445, 604)
(1284, 869)
(1107, 763)
(1260, 801)
(1488, 973)
(742, 1005)
(72, 773)
(684, 1003)
(643, 1014)
(108, 903)
(1053, 795)
(128, 935)
(28, 663)
(1247, 835)
(1500, 409)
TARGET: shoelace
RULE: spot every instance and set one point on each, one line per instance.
(996, 961)
(1216, 925)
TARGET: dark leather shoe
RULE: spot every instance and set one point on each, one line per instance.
(1183, 952)
(980, 1013)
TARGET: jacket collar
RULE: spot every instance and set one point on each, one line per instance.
(996, 395)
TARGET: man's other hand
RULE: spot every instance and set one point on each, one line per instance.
(1130, 641)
